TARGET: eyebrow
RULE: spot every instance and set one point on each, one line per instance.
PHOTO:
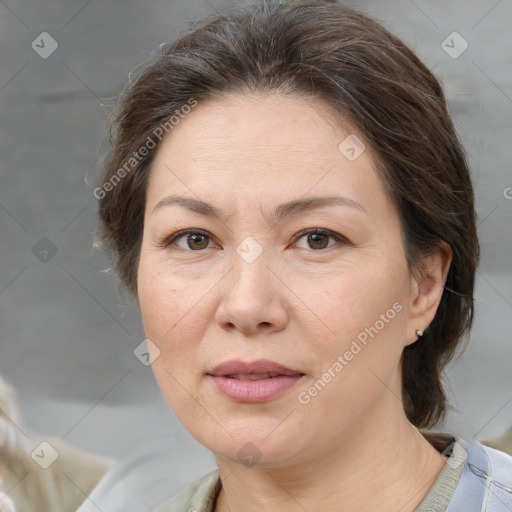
(282, 211)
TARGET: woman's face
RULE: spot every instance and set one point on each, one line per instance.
(247, 285)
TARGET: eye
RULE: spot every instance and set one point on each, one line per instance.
(197, 239)
(318, 238)
(193, 240)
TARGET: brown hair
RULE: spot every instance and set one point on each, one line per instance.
(366, 75)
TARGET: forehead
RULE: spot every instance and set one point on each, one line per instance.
(275, 144)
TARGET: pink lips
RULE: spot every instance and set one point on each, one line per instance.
(233, 378)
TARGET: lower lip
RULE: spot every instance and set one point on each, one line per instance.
(255, 390)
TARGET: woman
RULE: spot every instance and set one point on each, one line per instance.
(290, 205)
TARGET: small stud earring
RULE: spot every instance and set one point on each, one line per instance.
(419, 333)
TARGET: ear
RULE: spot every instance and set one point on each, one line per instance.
(427, 290)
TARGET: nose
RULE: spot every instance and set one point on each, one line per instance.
(254, 299)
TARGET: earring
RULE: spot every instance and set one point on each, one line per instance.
(419, 333)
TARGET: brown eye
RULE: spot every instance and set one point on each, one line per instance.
(189, 239)
(197, 241)
(318, 238)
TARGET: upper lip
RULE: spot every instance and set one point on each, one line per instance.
(262, 366)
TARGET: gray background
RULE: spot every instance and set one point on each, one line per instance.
(66, 335)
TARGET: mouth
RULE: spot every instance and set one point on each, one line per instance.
(253, 376)
(257, 381)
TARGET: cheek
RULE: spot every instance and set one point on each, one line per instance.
(159, 305)
(168, 320)
(363, 320)
(359, 365)
(165, 312)
(348, 303)
(164, 297)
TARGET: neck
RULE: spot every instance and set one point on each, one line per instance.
(387, 469)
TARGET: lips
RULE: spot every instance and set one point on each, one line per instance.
(258, 381)
(253, 376)
(261, 367)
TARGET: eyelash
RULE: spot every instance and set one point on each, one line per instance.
(168, 241)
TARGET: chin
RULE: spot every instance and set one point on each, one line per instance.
(251, 444)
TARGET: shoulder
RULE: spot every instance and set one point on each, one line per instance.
(71, 477)
(486, 482)
(199, 496)
(499, 467)
(497, 464)
(60, 482)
